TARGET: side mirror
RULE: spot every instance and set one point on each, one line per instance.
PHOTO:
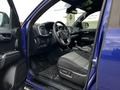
(85, 25)
(4, 19)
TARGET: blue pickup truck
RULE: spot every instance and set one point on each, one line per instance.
(55, 48)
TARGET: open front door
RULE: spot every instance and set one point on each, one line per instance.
(13, 68)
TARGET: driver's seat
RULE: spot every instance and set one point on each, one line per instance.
(73, 66)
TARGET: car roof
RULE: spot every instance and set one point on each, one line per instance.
(89, 6)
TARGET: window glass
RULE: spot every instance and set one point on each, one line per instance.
(58, 13)
(91, 22)
(4, 7)
(1, 16)
(4, 13)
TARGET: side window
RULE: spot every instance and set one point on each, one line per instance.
(4, 13)
(91, 22)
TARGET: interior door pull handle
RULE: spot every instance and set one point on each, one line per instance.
(2, 38)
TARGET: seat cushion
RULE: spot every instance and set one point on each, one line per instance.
(73, 67)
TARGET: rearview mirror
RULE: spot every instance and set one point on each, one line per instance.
(4, 19)
(71, 10)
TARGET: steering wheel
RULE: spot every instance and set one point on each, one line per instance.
(61, 33)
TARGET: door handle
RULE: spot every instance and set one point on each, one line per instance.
(5, 37)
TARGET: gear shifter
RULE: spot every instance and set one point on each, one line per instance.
(85, 48)
(76, 43)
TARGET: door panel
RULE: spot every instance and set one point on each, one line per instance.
(13, 68)
(13, 76)
(7, 39)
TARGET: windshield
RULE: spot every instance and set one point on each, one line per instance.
(58, 13)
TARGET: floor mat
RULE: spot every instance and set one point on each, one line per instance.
(39, 64)
(52, 73)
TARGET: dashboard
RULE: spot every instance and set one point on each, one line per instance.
(43, 30)
(42, 37)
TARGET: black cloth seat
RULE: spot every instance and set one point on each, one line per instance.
(73, 66)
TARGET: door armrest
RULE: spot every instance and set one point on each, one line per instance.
(9, 58)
